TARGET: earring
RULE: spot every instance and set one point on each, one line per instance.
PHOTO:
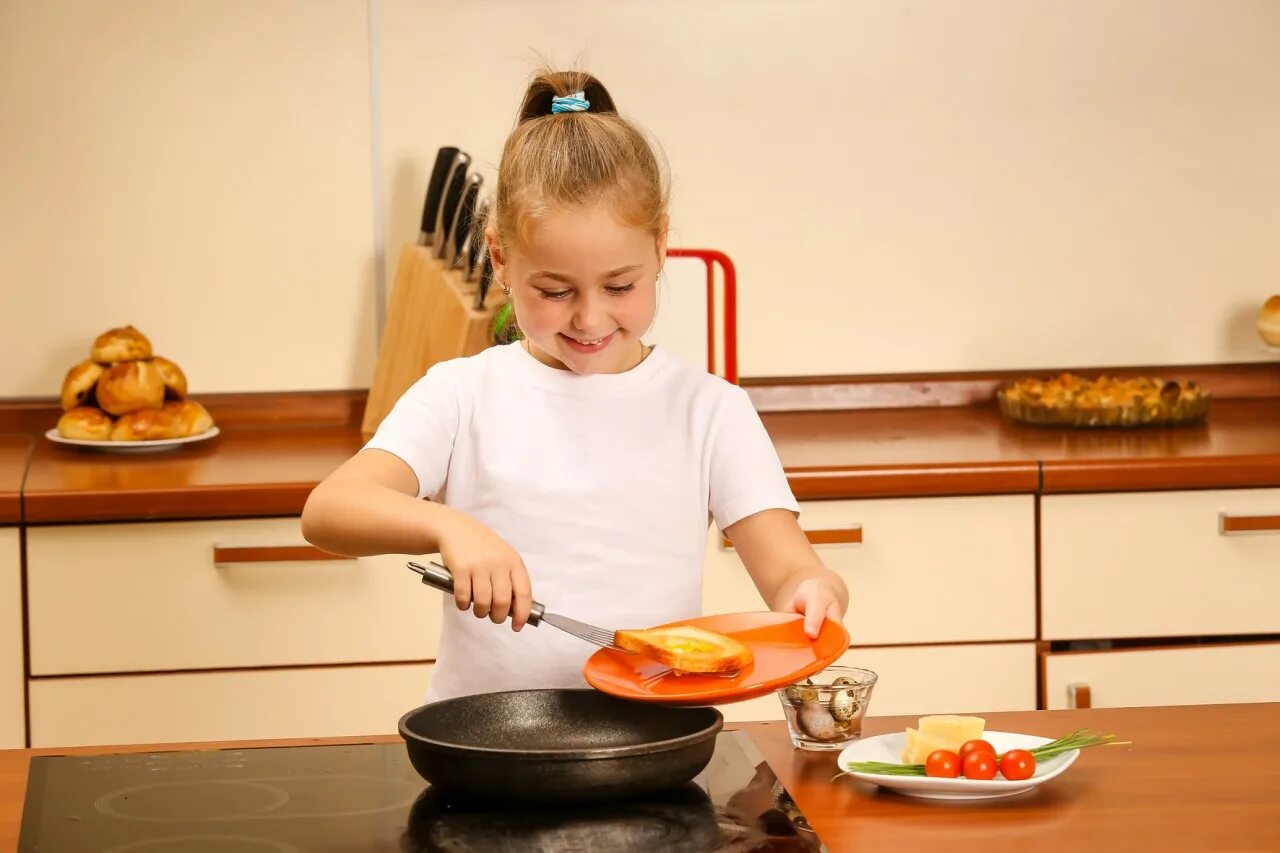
(506, 289)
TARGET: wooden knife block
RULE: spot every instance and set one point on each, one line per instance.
(431, 318)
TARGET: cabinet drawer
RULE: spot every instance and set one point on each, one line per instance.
(149, 597)
(1160, 564)
(12, 714)
(1191, 675)
(921, 571)
(246, 704)
(931, 680)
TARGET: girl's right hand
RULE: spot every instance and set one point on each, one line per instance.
(488, 575)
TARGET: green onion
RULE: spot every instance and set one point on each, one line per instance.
(1079, 739)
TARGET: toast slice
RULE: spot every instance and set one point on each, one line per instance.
(685, 648)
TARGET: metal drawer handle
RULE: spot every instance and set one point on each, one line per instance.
(851, 535)
(1079, 695)
(225, 555)
(1231, 525)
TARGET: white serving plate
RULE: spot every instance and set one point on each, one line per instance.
(888, 748)
(131, 446)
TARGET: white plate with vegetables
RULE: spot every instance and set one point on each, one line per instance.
(879, 760)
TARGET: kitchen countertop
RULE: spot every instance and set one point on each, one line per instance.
(958, 450)
(1191, 780)
(15, 450)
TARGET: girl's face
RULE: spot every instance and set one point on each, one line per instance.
(584, 287)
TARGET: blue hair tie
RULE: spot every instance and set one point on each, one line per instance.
(574, 103)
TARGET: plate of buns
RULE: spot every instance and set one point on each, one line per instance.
(123, 397)
(710, 660)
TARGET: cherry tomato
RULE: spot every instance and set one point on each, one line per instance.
(942, 762)
(976, 746)
(1017, 764)
(979, 765)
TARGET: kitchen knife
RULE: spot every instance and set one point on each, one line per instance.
(435, 188)
(449, 201)
(464, 221)
(477, 245)
(486, 278)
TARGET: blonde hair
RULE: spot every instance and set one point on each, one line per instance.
(570, 159)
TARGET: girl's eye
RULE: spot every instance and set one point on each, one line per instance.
(619, 289)
(555, 294)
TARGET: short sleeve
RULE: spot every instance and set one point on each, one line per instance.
(746, 476)
(422, 426)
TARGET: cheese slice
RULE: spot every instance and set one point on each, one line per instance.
(920, 744)
(951, 729)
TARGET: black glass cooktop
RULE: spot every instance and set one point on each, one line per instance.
(368, 797)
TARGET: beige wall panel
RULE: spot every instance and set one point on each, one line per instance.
(963, 185)
(12, 703)
(1207, 675)
(931, 680)
(924, 568)
(322, 702)
(150, 598)
(201, 170)
(1154, 564)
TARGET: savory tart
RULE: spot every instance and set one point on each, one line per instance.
(1107, 401)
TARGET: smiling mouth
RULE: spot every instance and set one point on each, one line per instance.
(587, 345)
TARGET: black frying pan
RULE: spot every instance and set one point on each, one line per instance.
(557, 746)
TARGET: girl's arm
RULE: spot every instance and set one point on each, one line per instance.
(370, 506)
(786, 569)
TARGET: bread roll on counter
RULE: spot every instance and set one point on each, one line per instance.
(122, 344)
(190, 417)
(175, 381)
(130, 386)
(78, 386)
(85, 423)
(146, 425)
(1269, 321)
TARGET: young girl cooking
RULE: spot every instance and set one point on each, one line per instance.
(578, 465)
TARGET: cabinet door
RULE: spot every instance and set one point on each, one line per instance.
(931, 680)
(918, 569)
(164, 596)
(204, 706)
(1160, 564)
(12, 713)
(1189, 675)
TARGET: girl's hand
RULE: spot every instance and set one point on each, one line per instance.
(488, 575)
(817, 599)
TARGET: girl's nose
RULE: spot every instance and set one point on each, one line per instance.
(589, 313)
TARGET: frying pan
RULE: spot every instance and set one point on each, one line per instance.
(557, 745)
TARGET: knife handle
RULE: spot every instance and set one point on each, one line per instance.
(450, 200)
(486, 278)
(436, 575)
(465, 220)
(435, 189)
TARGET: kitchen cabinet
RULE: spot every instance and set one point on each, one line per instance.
(941, 679)
(12, 702)
(1160, 564)
(917, 568)
(1188, 675)
(198, 706)
(183, 595)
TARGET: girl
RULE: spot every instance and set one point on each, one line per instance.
(577, 463)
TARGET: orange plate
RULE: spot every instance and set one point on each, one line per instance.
(783, 655)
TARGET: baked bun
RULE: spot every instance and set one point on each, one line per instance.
(77, 387)
(146, 425)
(1269, 321)
(190, 417)
(122, 344)
(129, 386)
(85, 423)
(175, 381)
(687, 649)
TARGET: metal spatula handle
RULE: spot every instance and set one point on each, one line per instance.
(436, 575)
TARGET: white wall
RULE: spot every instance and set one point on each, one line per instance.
(904, 185)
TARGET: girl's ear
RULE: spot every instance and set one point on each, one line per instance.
(496, 258)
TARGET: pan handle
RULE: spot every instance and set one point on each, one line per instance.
(434, 574)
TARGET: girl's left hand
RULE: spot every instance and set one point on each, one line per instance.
(817, 600)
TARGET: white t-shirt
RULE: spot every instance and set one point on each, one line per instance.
(604, 484)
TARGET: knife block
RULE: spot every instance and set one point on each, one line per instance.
(431, 318)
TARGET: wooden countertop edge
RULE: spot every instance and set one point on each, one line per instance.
(914, 480)
(223, 501)
(10, 509)
(1159, 473)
